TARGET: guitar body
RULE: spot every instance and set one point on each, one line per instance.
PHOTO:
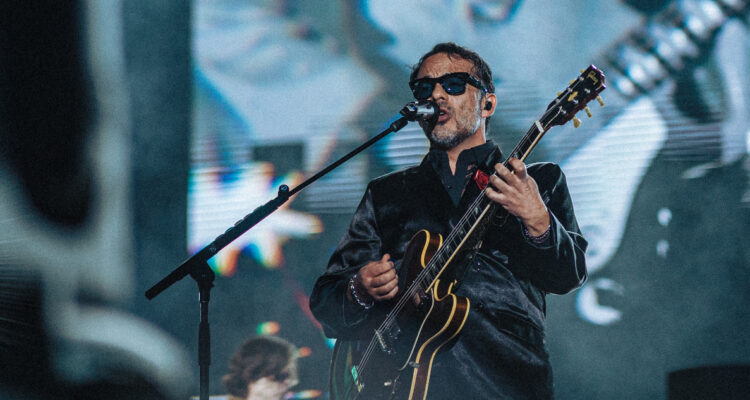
(396, 363)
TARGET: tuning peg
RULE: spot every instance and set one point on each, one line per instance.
(599, 99)
(588, 111)
(576, 122)
(558, 94)
(571, 82)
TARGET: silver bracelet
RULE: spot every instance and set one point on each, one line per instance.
(353, 288)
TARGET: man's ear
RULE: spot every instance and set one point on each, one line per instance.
(489, 104)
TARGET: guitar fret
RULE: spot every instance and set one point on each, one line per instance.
(454, 244)
(432, 274)
(441, 259)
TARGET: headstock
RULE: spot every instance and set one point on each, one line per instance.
(575, 98)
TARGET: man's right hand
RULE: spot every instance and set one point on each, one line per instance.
(378, 279)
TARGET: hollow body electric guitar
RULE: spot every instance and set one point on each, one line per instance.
(392, 357)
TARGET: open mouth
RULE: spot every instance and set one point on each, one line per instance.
(443, 116)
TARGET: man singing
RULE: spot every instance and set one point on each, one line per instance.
(537, 248)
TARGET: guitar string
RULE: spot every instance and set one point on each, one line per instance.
(476, 204)
(422, 276)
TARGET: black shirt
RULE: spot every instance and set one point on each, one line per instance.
(466, 167)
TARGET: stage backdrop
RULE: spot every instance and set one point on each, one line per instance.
(659, 176)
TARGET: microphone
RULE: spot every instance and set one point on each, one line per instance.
(425, 112)
(422, 110)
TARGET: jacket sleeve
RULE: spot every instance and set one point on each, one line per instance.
(360, 245)
(558, 265)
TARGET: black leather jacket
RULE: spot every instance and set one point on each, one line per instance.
(500, 352)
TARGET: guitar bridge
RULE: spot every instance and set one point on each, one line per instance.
(383, 344)
(387, 338)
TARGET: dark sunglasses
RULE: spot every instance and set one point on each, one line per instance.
(453, 84)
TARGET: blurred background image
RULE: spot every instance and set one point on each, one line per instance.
(133, 133)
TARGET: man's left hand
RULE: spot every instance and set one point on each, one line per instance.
(518, 193)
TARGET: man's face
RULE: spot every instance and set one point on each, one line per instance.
(460, 116)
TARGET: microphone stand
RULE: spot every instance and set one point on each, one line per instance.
(197, 265)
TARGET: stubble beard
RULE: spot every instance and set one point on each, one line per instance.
(466, 127)
(448, 141)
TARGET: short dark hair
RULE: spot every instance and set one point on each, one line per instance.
(258, 357)
(481, 69)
